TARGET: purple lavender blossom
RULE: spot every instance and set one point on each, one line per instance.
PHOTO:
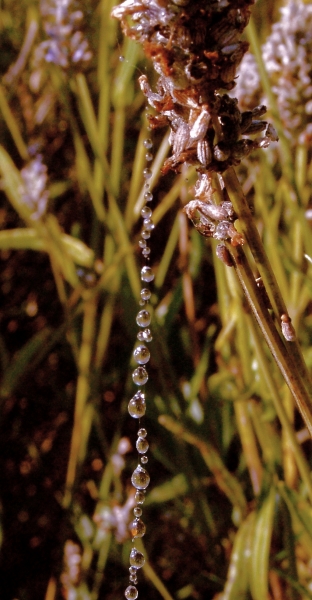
(33, 191)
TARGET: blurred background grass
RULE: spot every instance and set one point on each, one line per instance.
(231, 481)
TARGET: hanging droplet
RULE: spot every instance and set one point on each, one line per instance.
(140, 376)
(144, 460)
(142, 445)
(140, 336)
(139, 497)
(137, 528)
(142, 243)
(132, 570)
(143, 318)
(137, 511)
(148, 196)
(148, 156)
(141, 355)
(146, 212)
(146, 252)
(140, 478)
(148, 224)
(148, 144)
(133, 579)
(142, 432)
(147, 173)
(137, 559)
(147, 336)
(137, 406)
(147, 274)
(145, 234)
(145, 294)
(131, 592)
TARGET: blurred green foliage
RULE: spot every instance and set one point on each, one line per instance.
(228, 513)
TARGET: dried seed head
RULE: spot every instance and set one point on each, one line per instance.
(224, 255)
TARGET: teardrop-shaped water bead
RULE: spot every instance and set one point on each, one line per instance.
(141, 355)
(145, 294)
(137, 559)
(147, 274)
(144, 460)
(147, 173)
(143, 318)
(146, 212)
(142, 445)
(139, 497)
(145, 234)
(147, 336)
(132, 571)
(131, 592)
(140, 336)
(140, 376)
(148, 144)
(142, 243)
(137, 529)
(133, 579)
(142, 432)
(148, 156)
(140, 478)
(137, 406)
(148, 196)
(137, 511)
(148, 225)
(146, 252)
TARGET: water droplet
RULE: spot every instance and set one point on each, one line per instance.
(147, 274)
(142, 445)
(137, 559)
(141, 355)
(148, 144)
(145, 234)
(142, 432)
(131, 592)
(140, 336)
(148, 196)
(121, 58)
(149, 225)
(140, 376)
(145, 294)
(147, 336)
(139, 497)
(133, 579)
(146, 212)
(142, 243)
(137, 511)
(137, 529)
(132, 570)
(144, 460)
(143, 318)
(148, 156)
(140, 478)
(137, 406)
(147, 173)
(146, 252)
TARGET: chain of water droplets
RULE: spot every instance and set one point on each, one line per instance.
(137, 406)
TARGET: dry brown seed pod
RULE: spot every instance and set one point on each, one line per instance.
(204, 154)
(288, 330)
(224, 255)
(199, 128)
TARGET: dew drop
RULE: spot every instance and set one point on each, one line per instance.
(137, 559)
(148, 156)
(140, 336)
(137, 406)
(141, 355)
(146, 212)
(131, 592)
(142, 445)
(148, 144)
(142, 432)
(146, 252)
(148, 196)
(145, 294)
(147, 274)
(149, 225)
(147, 173)
(142, 243)
(145, 234)
(144, 460)
(139, 497)
(132, 570)
(140, 376)
(143, 318)
(137, 529)
(137, 511)
(147, 336)
(140, 478)
(133, 579)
